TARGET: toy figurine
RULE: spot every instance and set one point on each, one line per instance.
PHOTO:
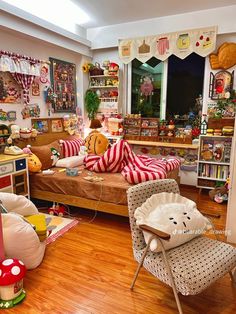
(11, 282)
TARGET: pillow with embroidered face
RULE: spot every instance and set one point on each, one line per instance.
(47, 154)
(173, 214)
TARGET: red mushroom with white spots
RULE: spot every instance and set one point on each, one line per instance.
(12, 272)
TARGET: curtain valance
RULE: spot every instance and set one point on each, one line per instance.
(202, 41)
(16, 63)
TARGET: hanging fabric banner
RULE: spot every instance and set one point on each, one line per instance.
(16, 63)
(202, 41)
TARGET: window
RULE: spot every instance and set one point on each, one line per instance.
(184, 85)
(146, 87)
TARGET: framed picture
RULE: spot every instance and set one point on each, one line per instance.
(35, 88)
(10, 91)
(41, 125)
(57, 125)
(221, 83)
(63, 80)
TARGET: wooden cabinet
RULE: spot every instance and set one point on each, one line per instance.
(14, 174)
(107, 88)
(213, 160)
(141, 129)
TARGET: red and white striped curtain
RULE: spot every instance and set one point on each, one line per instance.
(25, 81)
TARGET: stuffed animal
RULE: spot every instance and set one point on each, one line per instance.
(55, 156)
(34, 164)
(219, 194)
(96, 143)
(113, 68)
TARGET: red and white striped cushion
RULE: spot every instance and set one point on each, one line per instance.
(135, 169)
(71, 147)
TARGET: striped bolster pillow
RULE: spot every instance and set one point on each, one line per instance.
(72, 147)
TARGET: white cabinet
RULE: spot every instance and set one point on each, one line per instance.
(14, 174)
(213, 160)
(107, 88)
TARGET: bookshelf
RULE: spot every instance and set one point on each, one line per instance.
(213, 160)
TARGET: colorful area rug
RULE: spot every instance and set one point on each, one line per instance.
(58, 226)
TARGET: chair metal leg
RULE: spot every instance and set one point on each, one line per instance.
(168, 269)
(140, 264)
(171, 279)
(233, 276)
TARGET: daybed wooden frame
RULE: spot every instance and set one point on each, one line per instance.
(117, 209)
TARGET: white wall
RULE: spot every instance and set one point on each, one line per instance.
(107, 36)
(220, 40)
(23, 44)
(231, 209)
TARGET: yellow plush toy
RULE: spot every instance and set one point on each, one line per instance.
(34, 164)
(96, 143)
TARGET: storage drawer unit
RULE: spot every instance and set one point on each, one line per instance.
(14, 174)
(5, 181)
(20, 164)
(6, 168)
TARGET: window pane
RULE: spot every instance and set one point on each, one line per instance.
(184, 85)
(146, 87)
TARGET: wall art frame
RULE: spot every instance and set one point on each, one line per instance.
(63, 81)
(221, 83)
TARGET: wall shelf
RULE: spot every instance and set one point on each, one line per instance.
(107, 88)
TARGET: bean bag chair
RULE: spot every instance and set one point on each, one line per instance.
(19, 237)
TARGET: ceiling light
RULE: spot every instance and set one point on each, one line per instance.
(63, 13)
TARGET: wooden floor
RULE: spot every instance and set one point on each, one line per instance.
(90, 268)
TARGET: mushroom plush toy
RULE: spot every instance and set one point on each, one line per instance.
(12, 272)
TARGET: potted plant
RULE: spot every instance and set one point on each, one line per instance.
(92, 103)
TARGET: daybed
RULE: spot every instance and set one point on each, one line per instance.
(108, 195)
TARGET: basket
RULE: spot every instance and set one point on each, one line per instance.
(96, 70)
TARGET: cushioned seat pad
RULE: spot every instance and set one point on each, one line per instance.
(195, 264)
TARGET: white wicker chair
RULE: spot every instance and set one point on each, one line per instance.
(189, 268)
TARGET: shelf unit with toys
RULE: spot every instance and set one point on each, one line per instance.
(213, 161)
(4, 135)
(140, 129)
(107, 88)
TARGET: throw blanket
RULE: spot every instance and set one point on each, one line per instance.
(135, 169)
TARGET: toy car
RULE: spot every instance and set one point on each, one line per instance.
(57, 210)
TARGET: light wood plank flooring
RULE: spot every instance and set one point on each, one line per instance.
(90, 268)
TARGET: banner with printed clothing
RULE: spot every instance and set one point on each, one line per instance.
(202, 41)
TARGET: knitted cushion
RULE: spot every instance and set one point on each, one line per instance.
(71, 147)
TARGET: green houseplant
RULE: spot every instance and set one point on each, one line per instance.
(92, 103)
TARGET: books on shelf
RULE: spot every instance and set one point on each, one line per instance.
(213, 171)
